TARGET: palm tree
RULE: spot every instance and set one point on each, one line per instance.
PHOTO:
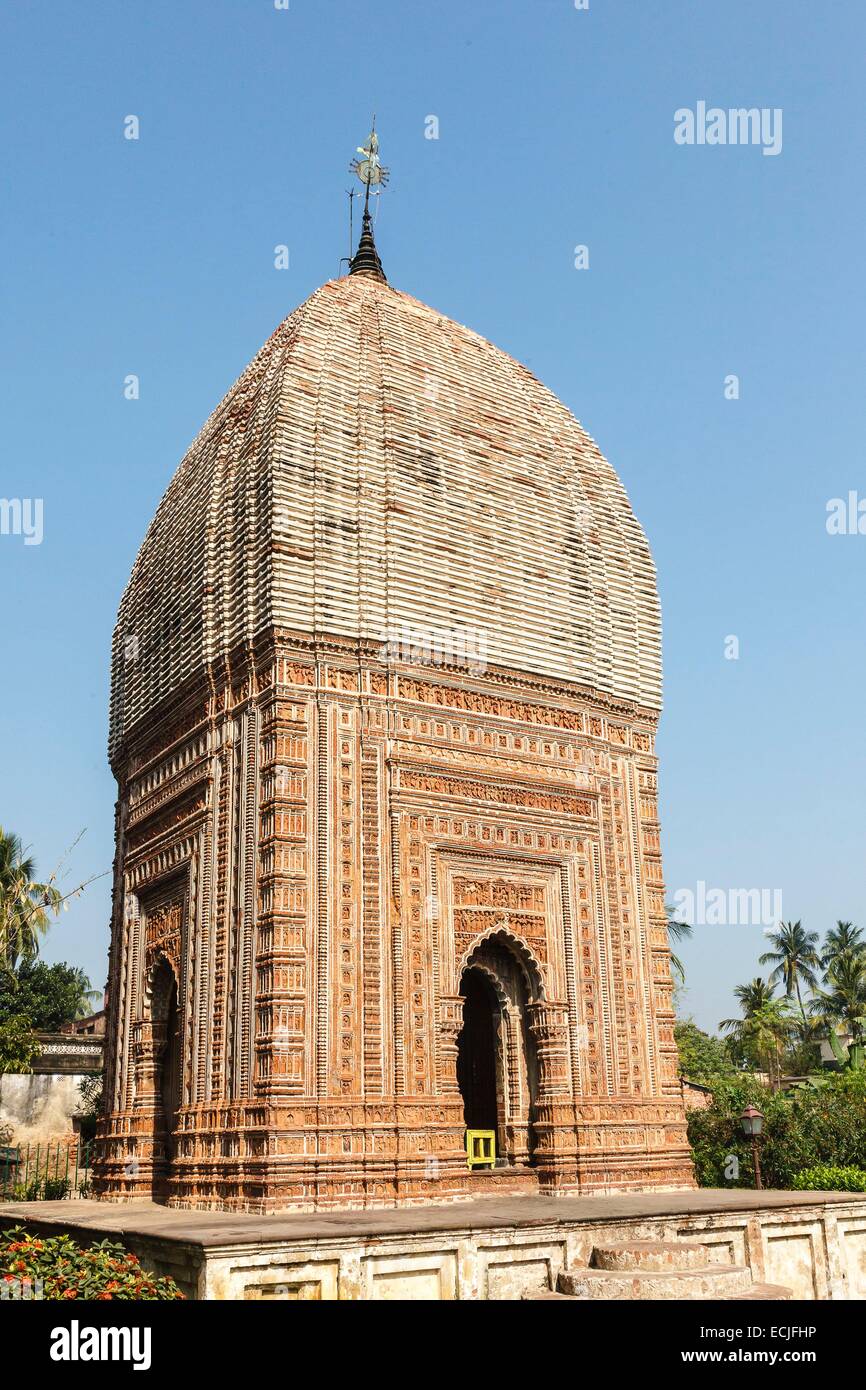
(765, 1027)
(25, 905)
(677, 931)
(841, 939)
(794, 959)
(842, 1005)
(87, 995)
(753, 996)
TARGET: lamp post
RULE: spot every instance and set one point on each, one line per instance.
(753, 1122)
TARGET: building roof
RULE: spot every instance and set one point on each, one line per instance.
(377, 466)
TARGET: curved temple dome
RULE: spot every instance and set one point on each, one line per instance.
(380, 467)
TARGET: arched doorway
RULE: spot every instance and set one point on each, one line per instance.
(165, 1016)
(497, 1066)
(477, 1052)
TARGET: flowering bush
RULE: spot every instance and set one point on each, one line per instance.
(67, 1270)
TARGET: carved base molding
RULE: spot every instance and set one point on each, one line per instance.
(320, 1155)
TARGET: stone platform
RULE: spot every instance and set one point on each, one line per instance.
(488, 1248)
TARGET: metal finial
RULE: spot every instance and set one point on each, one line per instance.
(372, 174)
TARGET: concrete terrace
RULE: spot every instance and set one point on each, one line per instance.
(216, 1229)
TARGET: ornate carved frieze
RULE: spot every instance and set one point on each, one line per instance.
(163, 934)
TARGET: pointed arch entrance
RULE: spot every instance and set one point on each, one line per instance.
(477, 1049)
(165, 1015)
(163, 1044)
(497, 1065)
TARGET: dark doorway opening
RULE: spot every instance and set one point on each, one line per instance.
(167, 1022)
(170, 1078)
(477, 1061)
(497, 1065)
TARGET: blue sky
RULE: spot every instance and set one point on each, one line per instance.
(155, 257)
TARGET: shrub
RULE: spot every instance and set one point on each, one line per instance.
(820, 1124)
(39, 1190)
(67, 1270)
(827, 1177)
(55, 1189)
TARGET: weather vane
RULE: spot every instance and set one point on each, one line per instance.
(373, 175)
(369, 167)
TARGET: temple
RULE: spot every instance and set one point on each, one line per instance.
(385, 686)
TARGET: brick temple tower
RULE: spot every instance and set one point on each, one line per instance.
(386, 680)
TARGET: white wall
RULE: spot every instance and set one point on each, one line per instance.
(39, 1107)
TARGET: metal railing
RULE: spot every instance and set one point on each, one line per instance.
(44, 1172)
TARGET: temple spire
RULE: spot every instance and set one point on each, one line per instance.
(366, 259)
(371, 173)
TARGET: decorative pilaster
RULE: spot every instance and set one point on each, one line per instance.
(450, 1028)
(555, 1142)
(548, 1024)
(148, 1045)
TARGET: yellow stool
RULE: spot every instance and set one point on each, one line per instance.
(480, 1148)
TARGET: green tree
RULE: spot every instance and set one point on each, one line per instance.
(26, 907)
(841, 1005)
(795, 959)
(18, 1046)
(843, 939)
(50, 996)
(677, 931)
(803, 1055)
(703, 1058)
(752, 997)
(763, 1032)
